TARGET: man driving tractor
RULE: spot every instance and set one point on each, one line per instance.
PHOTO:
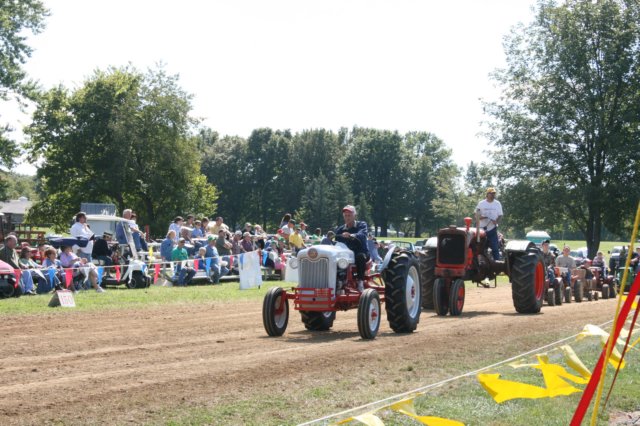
(354, 235)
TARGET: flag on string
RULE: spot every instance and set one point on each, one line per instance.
(68, 277)
(18, 274)
(118, 273)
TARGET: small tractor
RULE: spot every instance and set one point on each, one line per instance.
(327, 284)
(462, 253)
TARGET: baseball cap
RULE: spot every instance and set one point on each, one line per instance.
(181, 240)
(303, 224)
(491, 190)
(211, 238)
(349, 208)
(238, 233)
(246, 234)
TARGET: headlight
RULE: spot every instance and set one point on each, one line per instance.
(343, 263)
(293, 263)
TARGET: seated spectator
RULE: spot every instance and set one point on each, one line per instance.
(80, 229)
(204, 226)
(316, 237)
(328, 240)
(166, 247)
(9, 255)
(236, 248)
(101, 250)
(260, 236)
(27, 263)
(177, 227)
(247, 243)
(218, 267)
(190, 219)
(184, 273)
(40, 256)
(51, 262)
(219, 225)
(303, 232)
(197, 230)
(222, 245)
(248, 227)
(199, 259)
(82, 268)
(295, 241)
(137, 234)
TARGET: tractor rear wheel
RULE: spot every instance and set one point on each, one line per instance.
(318, 321)
(578, 291)
(369, 314)
(440, 297)
(403, 292)
(275, 311)
(456, 297)
(427, 276)
(605, 291)
(527, 283)
(557, 291)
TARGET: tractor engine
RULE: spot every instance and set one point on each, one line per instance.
(324, 266)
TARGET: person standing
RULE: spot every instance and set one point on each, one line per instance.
(354, 234)
(488, 216)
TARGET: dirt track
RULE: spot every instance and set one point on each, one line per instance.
(165, 363)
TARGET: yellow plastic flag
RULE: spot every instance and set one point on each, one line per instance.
(504, 390)
(406, 407)
(593, 330)
(150, 253)
(635, 343)
(369, 419)
(574, 362)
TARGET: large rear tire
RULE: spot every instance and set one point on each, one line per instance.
(275, 312)
(403, 292)
(318, 321)
(440, 297)
(369, 314)
(427, 276)
(527, 283)
(456, 297)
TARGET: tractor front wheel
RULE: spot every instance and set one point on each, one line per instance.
(578, 291)
(369, 314)
(557, 291)
(440, 297)
(403, 292)
(551, 297)
(275, 311)
(527, 283)
(605, 291)
(456, 297)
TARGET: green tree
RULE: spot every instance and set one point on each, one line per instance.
(378, 167)
(123, 137)
(570, 113)
(17, 18)
(431, 165)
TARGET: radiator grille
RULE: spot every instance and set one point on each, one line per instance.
(314, 273)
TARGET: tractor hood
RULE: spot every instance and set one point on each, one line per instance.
(333, 253)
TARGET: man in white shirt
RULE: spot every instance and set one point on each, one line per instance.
(80, 229)
(489, 215)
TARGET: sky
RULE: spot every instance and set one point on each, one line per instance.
(399, 64)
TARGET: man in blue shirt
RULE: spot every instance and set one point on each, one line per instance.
(354, 234)
(217, 269)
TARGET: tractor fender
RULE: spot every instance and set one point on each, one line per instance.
(431, 243)
(519, 246)
(387, 258)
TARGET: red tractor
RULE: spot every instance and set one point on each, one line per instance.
(327, 284)
(460, 254)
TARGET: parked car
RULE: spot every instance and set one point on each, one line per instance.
(419, 244)
(580, 254)
(405, 245)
